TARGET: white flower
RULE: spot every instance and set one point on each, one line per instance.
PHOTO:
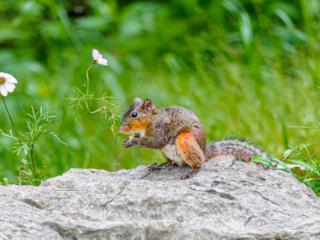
(98, 58)
(7, 83)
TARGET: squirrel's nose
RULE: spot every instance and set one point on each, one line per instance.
(124, 129)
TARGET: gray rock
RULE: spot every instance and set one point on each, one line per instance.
(226, 200)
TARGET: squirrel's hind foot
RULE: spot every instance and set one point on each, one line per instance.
(190, 174)
(159, 166)
(187, 175)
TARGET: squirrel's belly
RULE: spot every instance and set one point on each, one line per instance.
(170, 151)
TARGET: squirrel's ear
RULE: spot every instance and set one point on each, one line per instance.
(137, 101)
(147, 104)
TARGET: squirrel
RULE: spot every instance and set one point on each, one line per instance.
(178, 133)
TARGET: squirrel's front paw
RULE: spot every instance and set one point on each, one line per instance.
(127, 143)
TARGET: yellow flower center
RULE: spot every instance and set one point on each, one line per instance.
(2, 80)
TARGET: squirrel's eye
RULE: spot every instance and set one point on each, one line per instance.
(134, 114)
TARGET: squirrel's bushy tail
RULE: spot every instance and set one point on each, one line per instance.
(240, 149)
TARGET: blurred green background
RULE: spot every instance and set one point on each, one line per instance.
(247, 68)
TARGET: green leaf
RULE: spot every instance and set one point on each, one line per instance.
(264, 161)
(306, 165)
(287, 153)
(5, 181)
(245, 29)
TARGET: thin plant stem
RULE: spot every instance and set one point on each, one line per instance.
(33, 160)
(88, 78)
(31, 164)
(10, 117)
(115, 143)
(117, 154)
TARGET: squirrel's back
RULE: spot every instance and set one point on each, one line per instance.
(178, 119)
(178, 113)
(240, 149)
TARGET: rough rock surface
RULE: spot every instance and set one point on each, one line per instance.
(226, 200)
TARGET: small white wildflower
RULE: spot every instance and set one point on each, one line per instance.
(98, 58)
(7, 83)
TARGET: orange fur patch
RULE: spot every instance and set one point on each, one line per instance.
(137, 125)
(189, 149)
(184, 138)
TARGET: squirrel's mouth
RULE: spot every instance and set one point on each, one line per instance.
(137, 133)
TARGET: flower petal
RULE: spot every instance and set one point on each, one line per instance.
(8, 77)
(10, 87)
(3, 91)
(12, 79)
(102, 61)
(95, 54)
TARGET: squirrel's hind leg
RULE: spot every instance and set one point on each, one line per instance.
(190, 151)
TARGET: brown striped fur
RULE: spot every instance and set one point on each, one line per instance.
(240, 149)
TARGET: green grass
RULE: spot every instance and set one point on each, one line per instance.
(246, 68)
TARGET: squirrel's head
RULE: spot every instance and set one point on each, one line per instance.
(138, 116)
